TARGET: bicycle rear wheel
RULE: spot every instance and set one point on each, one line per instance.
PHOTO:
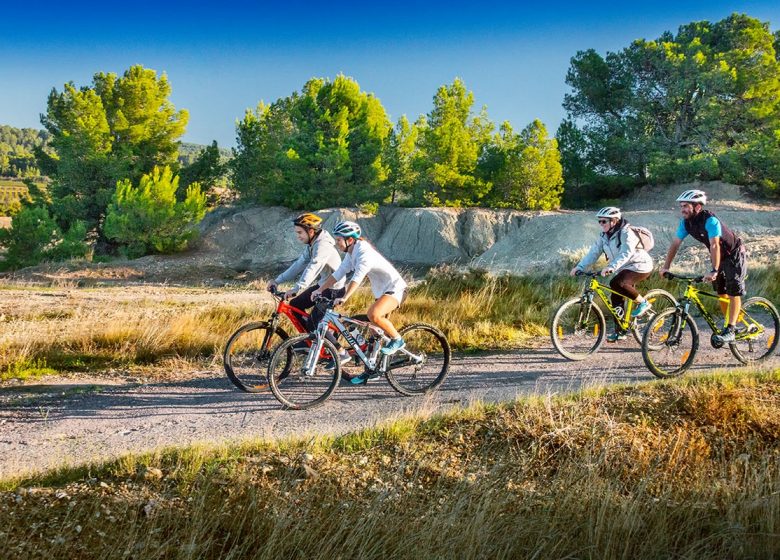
(410, 376)
(248, 353)
(757, 330)
(577, 329)
(670, 343)
(659, 301)
(291, 385)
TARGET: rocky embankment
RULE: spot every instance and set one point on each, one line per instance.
(260, 240)
(498, 240)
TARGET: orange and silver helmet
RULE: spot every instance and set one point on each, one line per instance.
(308, 221)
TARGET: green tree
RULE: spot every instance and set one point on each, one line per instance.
(452, 141)
(320, 147)
(117, 128)
(682, 106)
(401, 152)
(528, 175)
(149, 218)
(208, 170)
(35, 237)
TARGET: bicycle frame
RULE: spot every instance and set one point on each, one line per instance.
(594, 286)
(691, 296)
(374, 361)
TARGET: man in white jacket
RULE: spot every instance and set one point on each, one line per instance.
(628, 262)
(318, 261)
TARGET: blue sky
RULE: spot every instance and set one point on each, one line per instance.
(222, 58)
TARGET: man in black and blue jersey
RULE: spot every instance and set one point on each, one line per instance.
(729, 261)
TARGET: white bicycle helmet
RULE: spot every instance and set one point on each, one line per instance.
(609, 212)
(347, 229)
(693, 196)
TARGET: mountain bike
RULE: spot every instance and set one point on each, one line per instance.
(671, 339)
(578, 326)
(305, 370)
(248, 350)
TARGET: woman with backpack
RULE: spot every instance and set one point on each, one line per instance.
(627, 258)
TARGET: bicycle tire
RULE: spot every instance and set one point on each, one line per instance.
(654, 297)
(287, 387)
(656, 338)
(244, 366)
(561, 329)
(405, 376)
(744, 349)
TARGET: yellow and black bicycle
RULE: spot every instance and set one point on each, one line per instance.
(578, 326)
(671, 339)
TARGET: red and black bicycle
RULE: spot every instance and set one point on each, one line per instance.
(248, 350)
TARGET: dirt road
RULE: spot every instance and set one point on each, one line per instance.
(44, 426)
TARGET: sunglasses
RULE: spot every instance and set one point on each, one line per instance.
(602, 222)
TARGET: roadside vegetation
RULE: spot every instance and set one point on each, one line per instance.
(683, 469)
(97, 330)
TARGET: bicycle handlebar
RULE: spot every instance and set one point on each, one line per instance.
(588, 274)
(685, 277)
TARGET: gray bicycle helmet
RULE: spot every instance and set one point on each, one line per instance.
(609, 212)
(693, 196)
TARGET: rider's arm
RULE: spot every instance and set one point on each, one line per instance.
(351, 289)
(338, 274)
(294, 269)
(592, 255)
(331, 280)
(714, 231)
(364, 260)
(715, 253)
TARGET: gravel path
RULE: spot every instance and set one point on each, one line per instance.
(95, 420)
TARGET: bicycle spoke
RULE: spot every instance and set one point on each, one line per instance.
(577, 329)
(670, 343)
(293, 385)
(756, 336)
(426, 364)
(247, 355)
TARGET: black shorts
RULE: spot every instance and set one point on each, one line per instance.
(731, 276)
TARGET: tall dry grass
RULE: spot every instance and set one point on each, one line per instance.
(476, 310)
(685, 469)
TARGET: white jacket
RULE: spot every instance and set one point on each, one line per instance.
(622, 252)
(321, 257)
(366, 261)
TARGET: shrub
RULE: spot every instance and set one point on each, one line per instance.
(149, 219)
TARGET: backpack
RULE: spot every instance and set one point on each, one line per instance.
(646, 239)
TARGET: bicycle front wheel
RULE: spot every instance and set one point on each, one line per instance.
(659, 301)
(757, 329)
(248, 353)
(292, 385)
(577, 329)
(670, 343)
(426, 368)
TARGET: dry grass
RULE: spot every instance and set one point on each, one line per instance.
(66, 328)
(689, 469)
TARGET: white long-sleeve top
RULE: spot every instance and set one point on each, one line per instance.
(622, 250)
(321, 257)
(365, 260)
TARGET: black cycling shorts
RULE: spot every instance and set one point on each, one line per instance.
(731, 276)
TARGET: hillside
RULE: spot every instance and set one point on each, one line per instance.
(498, 240)
(259, 240)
